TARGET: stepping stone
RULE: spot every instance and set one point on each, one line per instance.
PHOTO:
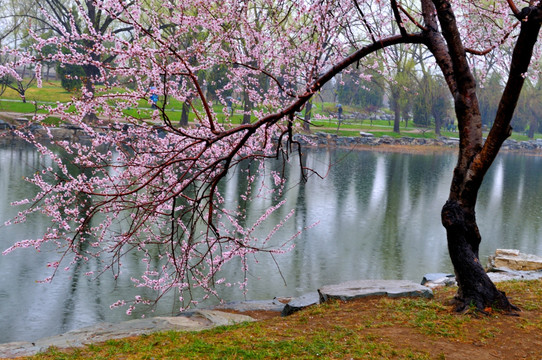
(300, 303)
(251, 305)
(351, 290)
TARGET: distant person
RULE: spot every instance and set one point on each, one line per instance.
(154, 97)
(339, 111)
(229, 103)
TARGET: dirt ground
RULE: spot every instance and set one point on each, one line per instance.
(497, 336)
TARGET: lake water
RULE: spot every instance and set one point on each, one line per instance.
(378, 217)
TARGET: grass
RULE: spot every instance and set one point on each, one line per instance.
(371, 328)
(18, 107)
(52, 92)
(49, 92)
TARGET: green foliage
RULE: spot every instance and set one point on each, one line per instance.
(432, 103)
(488, 97)
(358, 91)
(528, 115)
(216, 82)
(421, 110)
(70, 76)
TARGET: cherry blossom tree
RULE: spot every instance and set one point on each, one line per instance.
(141, 184)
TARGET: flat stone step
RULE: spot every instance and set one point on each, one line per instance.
(356, 289)
(252, 305)
(300, 303)
(512, 259)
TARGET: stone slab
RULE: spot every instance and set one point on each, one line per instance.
(496, 275)
(300, 303)
(508, 275)
(435, 277)
(200, 320)
(434, 280)
(512, 259)
(252, 305)
(363, 288)
(220, 318)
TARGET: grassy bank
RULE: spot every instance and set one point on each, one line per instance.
(51, 92)
(374, 328)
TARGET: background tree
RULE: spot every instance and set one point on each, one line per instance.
(361, 87)
(432, 102)
(534, 92)
(422, 102)
(401, 86)
(70, 76)
(489, 93)
(440, 102)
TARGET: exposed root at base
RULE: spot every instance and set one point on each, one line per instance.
(480, 306)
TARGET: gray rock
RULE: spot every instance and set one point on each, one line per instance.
(435, 280)
(362, 288)
(507, 275)
(252, 305)
(512, 259)
(435, 277)
(300, 303)
(220, 318)
(496, 275)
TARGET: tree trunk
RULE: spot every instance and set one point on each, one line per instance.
(91, 72)
(438, 123)
(307, 119)
(396, 110)
(475, 288)
(184, 114)
(458, 215)
(247, 108)
(397, 119)
(533, 127)
(405, 112)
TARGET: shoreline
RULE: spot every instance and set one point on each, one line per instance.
(365, 140)
(407, 144)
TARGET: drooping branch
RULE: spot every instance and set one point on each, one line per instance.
(493, 47)
(411, 18)
(365, 23)
(327, 76)
(398, 19)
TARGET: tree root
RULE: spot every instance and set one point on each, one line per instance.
(484, 306)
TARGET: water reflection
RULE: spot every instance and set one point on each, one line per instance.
(378, 216)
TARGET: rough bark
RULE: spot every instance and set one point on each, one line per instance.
(397, 120)
(247, 108)
(396, 110)
(307, 119)
(476, 290)
(184, 114)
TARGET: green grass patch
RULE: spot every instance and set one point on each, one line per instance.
(362, 329)
(19, 107)
(49, 92)
(52, 92)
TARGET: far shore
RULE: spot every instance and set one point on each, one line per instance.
(365, 141)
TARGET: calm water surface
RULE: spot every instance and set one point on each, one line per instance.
(378, 217)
